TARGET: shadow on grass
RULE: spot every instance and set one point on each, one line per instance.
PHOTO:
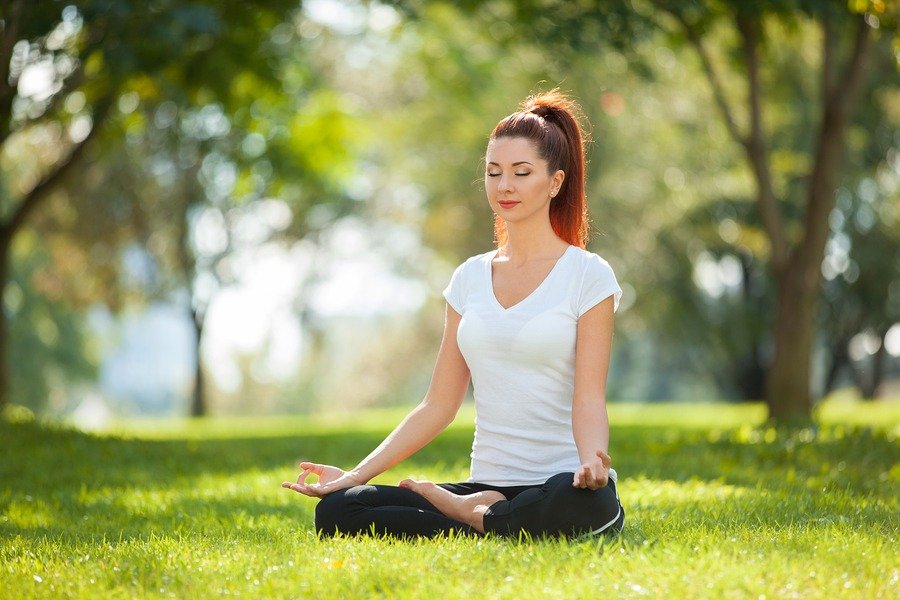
(42, 458)
(61, 483)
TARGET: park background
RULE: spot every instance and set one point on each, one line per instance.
(246, 212)
(215, 209)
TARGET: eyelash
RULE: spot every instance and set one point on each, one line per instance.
(518, 174)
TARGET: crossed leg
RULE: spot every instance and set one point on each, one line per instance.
(421, 508)
(468, 509)
(385, 510)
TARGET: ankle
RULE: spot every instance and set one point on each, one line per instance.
(476, 517)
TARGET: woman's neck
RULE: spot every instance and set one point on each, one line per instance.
(525, 243)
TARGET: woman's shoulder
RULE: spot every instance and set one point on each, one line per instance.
(476, 258)
(591, 260)
(468, 268)
(598, 281)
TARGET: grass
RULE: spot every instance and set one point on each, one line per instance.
(717, 505)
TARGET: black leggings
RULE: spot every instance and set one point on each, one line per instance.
(554, 508)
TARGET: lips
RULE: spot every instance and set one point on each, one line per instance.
(507, 204)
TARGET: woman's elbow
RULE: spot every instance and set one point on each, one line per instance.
(442, 408)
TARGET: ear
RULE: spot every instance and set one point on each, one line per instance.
(557, 179)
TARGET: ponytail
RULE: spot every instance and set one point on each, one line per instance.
(551, 121)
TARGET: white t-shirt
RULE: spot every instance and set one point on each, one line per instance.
(522, 361)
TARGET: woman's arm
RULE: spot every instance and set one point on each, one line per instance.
(590, 423)
(445, 394)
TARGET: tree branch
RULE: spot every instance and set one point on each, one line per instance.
(836, 114)
(12, 21)
(845, 95)
(34, 197)
(755, 144)
(828, 43)
(709, 69)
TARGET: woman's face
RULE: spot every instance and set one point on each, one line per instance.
(516, 180)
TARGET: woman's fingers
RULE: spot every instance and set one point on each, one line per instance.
(581, 477)
(297, 487)
(300, 486)
(591, 476)
(604, 458)
(314, 491)
(600, 480)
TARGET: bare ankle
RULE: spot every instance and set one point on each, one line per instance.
(485, 501)
(476, 521)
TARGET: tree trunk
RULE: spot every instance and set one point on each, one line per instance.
(799, 281)
(839, 358)
(5, 372)
(750, 375)
(198, 400)
(788, 386)
(870, 386)
(750, 372)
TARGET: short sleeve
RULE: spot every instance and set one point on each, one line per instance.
(598, 284)
(454, 293)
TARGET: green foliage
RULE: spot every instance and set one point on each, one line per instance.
(48, 339)
(185, 96)
(716, 504)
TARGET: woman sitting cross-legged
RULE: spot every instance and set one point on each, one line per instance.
(531, 324)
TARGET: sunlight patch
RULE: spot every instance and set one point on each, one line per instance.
(650, 491)
(29, 512)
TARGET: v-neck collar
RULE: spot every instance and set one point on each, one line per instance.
(490, 280)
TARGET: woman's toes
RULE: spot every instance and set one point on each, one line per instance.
(420, 487)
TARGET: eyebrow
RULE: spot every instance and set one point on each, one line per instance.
(515, 164)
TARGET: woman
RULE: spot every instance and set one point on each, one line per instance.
(531, 323)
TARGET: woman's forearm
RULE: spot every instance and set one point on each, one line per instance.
(590, 427)
(418, 428)
(445, 395)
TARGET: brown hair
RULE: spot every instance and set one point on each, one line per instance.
(551, 121)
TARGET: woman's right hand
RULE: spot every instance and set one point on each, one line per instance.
(331, 479)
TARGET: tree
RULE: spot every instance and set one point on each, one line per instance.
(795, 262)
(172, 171)
(66, 67)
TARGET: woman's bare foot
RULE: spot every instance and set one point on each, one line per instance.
(468, 509)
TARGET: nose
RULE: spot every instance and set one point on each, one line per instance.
(505, 183)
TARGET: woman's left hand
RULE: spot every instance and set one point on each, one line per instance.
(593, 474)
(331, 479)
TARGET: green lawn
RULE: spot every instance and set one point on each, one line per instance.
(717, 505)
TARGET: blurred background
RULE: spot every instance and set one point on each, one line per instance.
(221, 207)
